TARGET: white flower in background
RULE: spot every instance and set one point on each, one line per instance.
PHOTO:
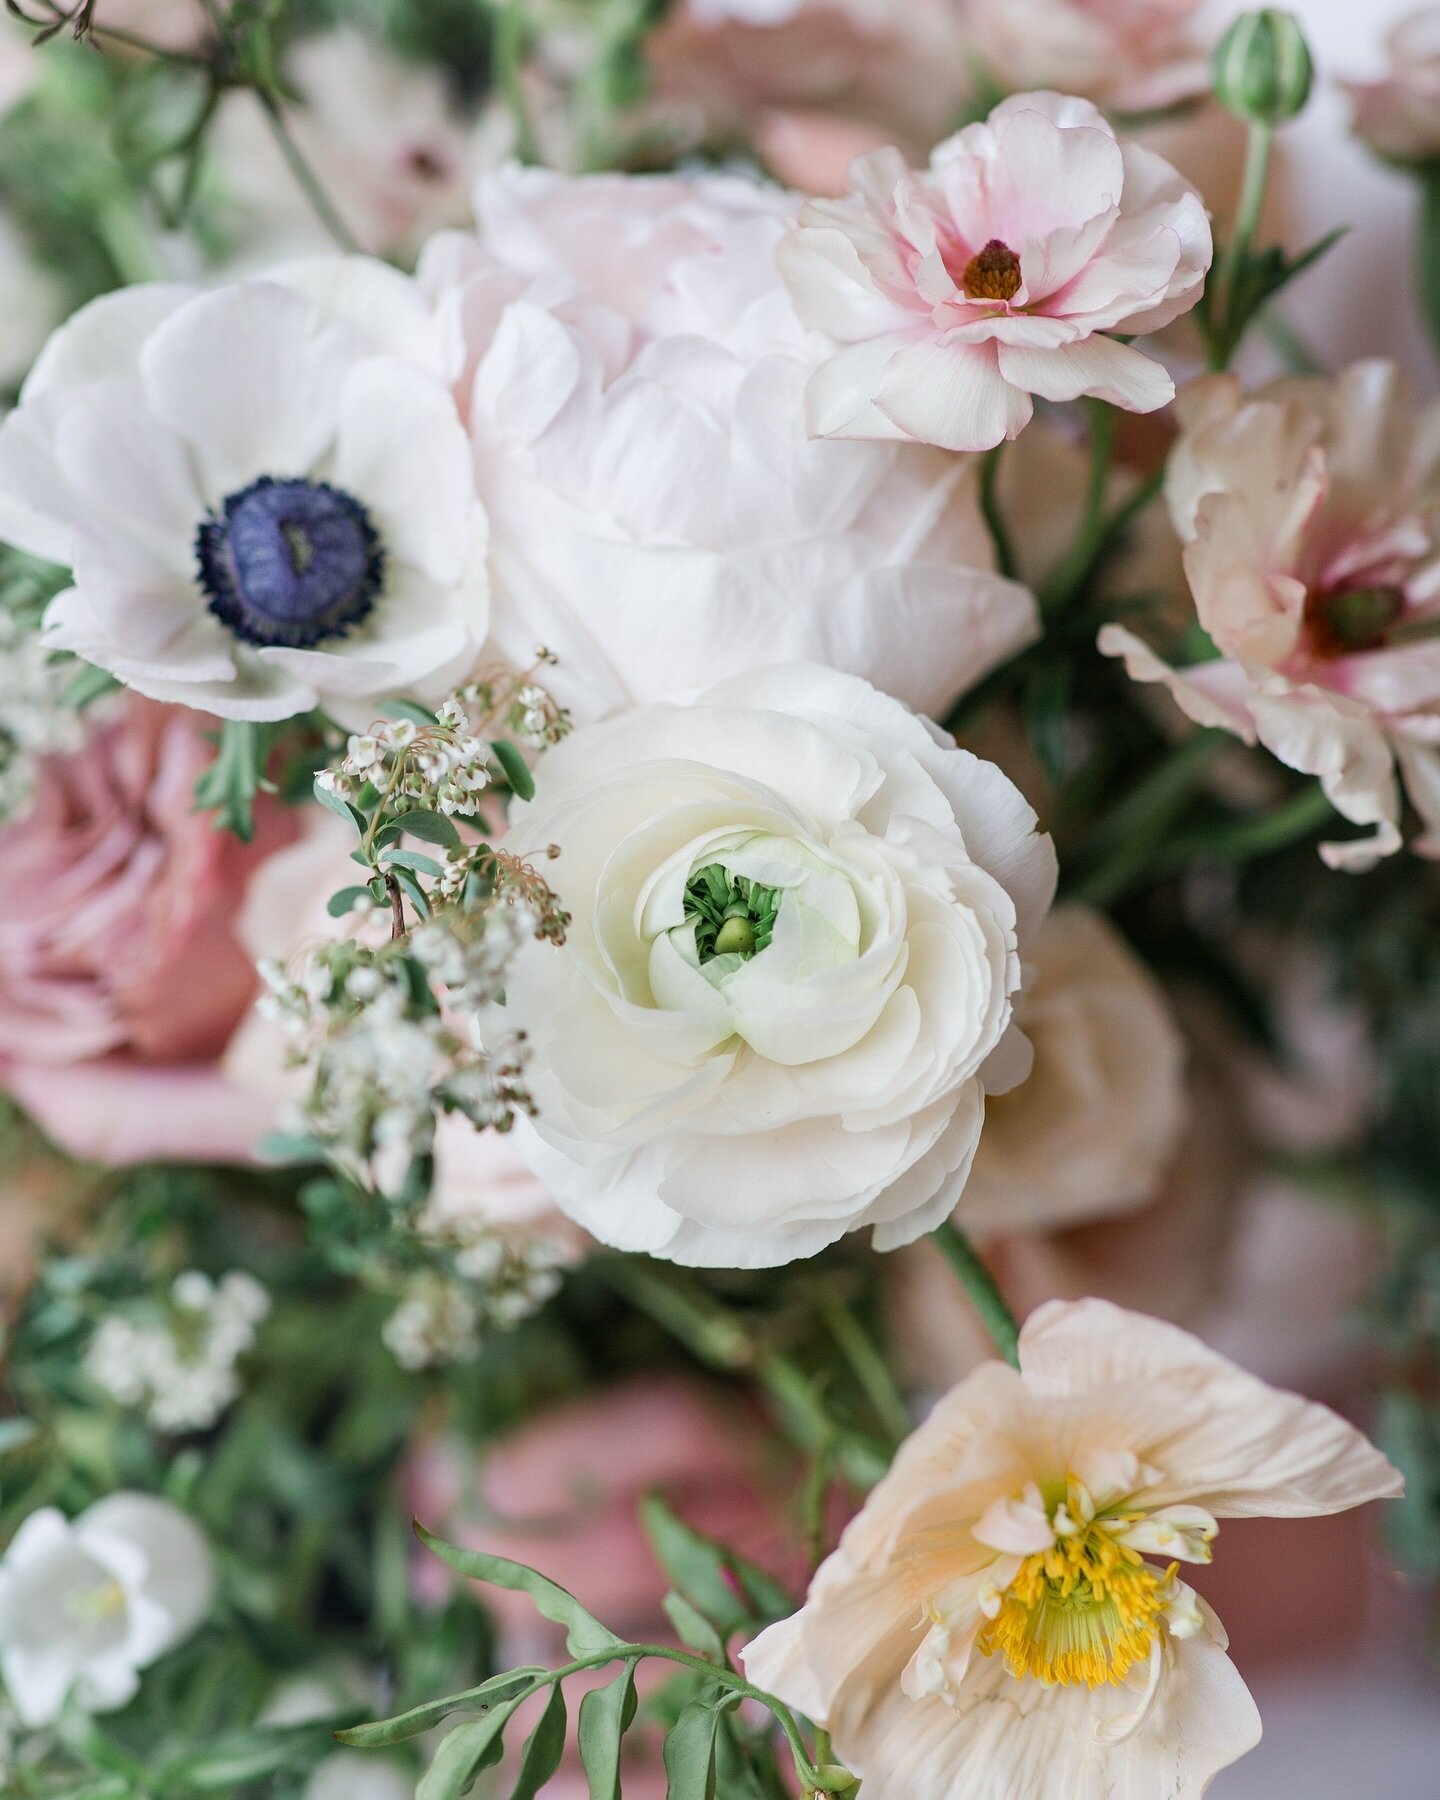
(1310, 515)
(1093, 1128)
(659, 518)
(85, 1605)
(993, 1622)
(1399, 115)
(1127, 55)
(31, 304)
(35, 719)
(388, 139)
(998, 273)
(182, 1369)
(263, 491)
(354, 1775)
(797, 916)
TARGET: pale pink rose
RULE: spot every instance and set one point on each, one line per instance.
(1127, 55)
(121, 972)
(962, 290)
(658, 516)
(892, 73)
(1310, 515)
(1399, 115)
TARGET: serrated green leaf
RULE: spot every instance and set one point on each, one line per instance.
(517, 770)
(432, 827)
(515, 1684)
(584, 1634)
(412, 859)
(605, 1716)
(339, 904)
(544, 1748)
(690, 1751)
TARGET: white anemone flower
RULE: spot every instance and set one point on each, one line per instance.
(1006, 1617)
(263, 491)
(85, 1605)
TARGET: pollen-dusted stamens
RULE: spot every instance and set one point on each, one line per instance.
(290, 562)
(1085, 1610)
(992, 273)
(1342, 621)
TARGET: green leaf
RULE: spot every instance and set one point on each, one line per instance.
(605, 1715)
(87, 685)
(730, 1592)
(584, 1634)
(408, 709)
(341, 808)
(517, 770)
(690, 1751)
(339, 904)
(229, 786)
(500, 1690)
(465, 1752)
(692, 1628)
(1428, 250)
(544, 1748)
(432, 827)
(412, 859)
(16, 1433)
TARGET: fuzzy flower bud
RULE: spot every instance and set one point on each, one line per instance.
(1262, 67)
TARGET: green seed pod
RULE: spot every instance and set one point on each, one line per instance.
(1262, 69)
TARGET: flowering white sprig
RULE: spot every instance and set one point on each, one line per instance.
(36, 719)
(181, 1370)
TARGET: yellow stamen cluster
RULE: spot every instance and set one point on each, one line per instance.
(992, 273)
(1085, 1610)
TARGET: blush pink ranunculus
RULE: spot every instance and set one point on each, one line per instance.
(121, 974)
(957, 293)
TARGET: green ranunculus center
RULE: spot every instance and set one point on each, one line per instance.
(732, 916)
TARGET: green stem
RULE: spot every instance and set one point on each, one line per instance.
(979, 1285)
(1427, 246)
(1123, 846)
(990, 510)
(1095, 528)
(1300, 818)
(509, 46)
(309, 183)
(870, 1370)
(1229, 327)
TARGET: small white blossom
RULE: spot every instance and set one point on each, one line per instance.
(181, 1369)
(35, 718)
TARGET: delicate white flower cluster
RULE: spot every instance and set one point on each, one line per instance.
(384, 1058)
(35, 719)
(445, 766)
(182, 1370)
(497, 1282)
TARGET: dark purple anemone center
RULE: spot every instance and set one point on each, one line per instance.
(290, 562)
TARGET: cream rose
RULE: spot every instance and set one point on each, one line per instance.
(798, 917)
(1093, 1128)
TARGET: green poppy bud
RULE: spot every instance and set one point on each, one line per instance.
(1262, 69)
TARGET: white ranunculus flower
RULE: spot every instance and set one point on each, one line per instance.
(660, 519)
(798, 915)
(1093, 1128)
(85, 1605)
(263, 491)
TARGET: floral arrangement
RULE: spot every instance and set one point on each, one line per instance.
(719, 780)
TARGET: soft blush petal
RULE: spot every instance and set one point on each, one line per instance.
(1214, 693)
(1222, 1439)
(952, 395)
(840, 396)
(1097, 366)
(121, 1111)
